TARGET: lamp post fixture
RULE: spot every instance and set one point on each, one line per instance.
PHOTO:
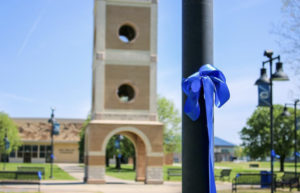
(54, 131)
(286, 113)
(279, 75)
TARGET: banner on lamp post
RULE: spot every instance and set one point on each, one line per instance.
(264, 95)
(297, 123)
(56, 128)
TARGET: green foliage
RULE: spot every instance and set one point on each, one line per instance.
(239, 151)
(256, 134)
(8, 126)
(126, 147)
(82, 136)
(169, 116)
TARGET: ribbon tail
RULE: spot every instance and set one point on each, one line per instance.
(208, 87)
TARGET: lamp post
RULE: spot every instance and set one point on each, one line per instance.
(118, 147)
(54, 131)
(279, 75)
(6, 146)
(286, 113)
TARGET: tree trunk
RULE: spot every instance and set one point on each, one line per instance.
(282, 158)
(118, 163)
(107, 161)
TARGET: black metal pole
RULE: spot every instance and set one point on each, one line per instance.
(295, 133)
(52, 154)
(5, 150)
(271, 124)
(51, 176)
(197, 50)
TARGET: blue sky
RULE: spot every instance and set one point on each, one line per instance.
(46, 57)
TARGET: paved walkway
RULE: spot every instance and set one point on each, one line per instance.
(113, 185)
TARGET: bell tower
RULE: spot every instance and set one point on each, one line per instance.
(125, 55)
(124, 87)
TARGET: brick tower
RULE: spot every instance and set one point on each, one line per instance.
(124, 87)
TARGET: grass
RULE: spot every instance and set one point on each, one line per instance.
(127, 172)
(244, 167)
(58, 173)
(255, 191)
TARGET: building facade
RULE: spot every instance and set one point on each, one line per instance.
(35, 134)
(224, 150)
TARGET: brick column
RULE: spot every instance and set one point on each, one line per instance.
(140, 160)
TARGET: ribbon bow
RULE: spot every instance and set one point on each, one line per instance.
(274, 155)
(214, 85)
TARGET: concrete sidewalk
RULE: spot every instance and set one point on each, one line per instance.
(79, 187)
(113, 185)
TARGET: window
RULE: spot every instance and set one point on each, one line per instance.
(34, 151)
(27, 149)
(20, 152)
(127, 33)
(42, 151)
(126, 93)
(12, 154)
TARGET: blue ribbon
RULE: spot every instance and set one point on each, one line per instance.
(274, 155)
(39, 175)
(297, 154)
(214, 85)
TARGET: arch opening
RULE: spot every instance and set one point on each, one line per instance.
(125, 156)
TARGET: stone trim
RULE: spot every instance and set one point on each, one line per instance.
(102, 153)
(154, 175)
(127, 57)
(130, 129)
(96, 153)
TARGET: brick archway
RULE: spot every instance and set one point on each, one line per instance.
(141, 144)
(147, 139)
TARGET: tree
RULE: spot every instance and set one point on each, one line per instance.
(8, 127)
(126, 150)
(238, 151)
(82, 136)
(256, 134)
(288, 33)
(169, 116)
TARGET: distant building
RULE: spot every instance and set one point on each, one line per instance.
(224, 150)
(36, 141)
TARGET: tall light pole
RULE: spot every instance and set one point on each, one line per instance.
(287, 114)
(54, 131)
(279, 75)
(6, 147)
(197, 50)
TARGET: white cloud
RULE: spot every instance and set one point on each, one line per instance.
(13, 97)
(32, 29)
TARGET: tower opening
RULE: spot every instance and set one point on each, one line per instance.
(126, 93)
(127, 33)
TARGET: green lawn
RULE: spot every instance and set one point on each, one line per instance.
(256, 191)
(58, 173)
(244, 167)
(127, 173)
